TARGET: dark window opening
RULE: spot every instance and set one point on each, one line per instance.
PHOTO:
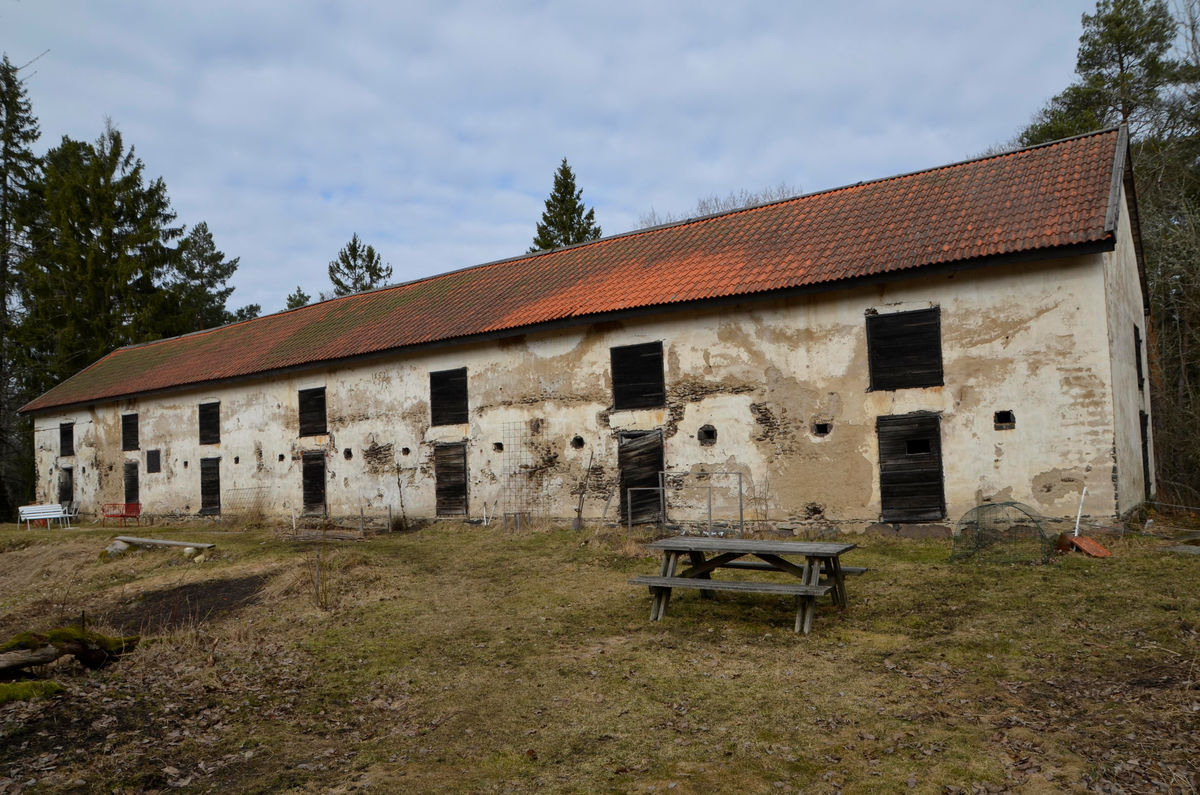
(312, 412)
(313, 482)
(904, 349)
(210, 423)
(153, 462)
(66, 485)
(640, 460)
(448, 397)
(131, 482)
(496, 446)
(1005, 420)
(210, 486)
(406, 451)
(577, 442)
(637, 376)
(1137, 346)
(450, 472)
(707, 436)
(347, 454)
(66, 438)
(185, 464)
(281, 457)
(129, 432)
(911, 485)
(237, 460)
(822, 428)
(1145, 423)
(917, 447)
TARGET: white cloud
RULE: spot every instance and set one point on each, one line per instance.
(433, 129)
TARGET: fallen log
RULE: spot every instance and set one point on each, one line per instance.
(92, 649)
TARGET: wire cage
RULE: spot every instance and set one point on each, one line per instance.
(1002, 532)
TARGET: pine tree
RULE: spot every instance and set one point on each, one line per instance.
(1124, 67)
(99, 256)
(357, 268)
(18, 169)
(564, 221)
(298, 299)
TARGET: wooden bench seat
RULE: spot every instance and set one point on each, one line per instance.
(782, 588)
(806, 595)
(50, 512)
(757, 565)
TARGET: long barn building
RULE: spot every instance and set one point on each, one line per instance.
(895, 351)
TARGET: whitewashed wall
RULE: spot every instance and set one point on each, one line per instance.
(1033, 339)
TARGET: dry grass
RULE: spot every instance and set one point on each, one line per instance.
(464, 659)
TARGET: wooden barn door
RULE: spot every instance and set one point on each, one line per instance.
(313, 482)
(210, 486)
(910, 467)
(131, 482)
(640, 459)
(450, 471)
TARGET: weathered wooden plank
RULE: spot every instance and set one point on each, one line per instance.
(754, 565)
(158, 542)
(739, 586)
(751, 547)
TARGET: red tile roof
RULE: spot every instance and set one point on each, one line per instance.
(1040, 198)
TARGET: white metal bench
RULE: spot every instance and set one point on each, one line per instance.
(48, 513)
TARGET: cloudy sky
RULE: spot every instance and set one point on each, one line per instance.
(433, 129)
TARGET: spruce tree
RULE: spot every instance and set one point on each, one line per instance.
(200, 280)
(358, 267)
(99, 256)
(18, 169)
(298, 299)
(564, 221)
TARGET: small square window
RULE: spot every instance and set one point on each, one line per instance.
(1005, 420)
(312, 412)
(66, 438)
(904, 350)
(210, 423)
(129, 434)
(637, 376)
(707, 435)
(917, 446)
(448, 397)
(821, 428)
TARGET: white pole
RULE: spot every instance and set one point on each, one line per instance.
(1079, 515)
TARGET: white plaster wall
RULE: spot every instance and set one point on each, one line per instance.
(1028, 338)
(1123, 296)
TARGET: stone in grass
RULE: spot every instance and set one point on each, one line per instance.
(198, 559)
(114, 550)
(1185, 549)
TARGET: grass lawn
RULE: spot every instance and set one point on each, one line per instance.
(462, 659)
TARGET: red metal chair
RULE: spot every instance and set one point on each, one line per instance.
(122, 511)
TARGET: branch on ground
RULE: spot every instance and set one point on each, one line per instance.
(92, 649)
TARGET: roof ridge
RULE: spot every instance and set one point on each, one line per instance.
(532, 255)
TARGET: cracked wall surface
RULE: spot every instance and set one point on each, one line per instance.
(1029, 338)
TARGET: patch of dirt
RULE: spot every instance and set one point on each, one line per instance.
(157, 612)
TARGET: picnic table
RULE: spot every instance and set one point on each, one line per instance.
(820, 559)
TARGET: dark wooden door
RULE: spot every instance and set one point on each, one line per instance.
(313, 481)
(131, 482)
(450, 470)
(210, 486)
(640, 459)
(66, 485)
(911, 488)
